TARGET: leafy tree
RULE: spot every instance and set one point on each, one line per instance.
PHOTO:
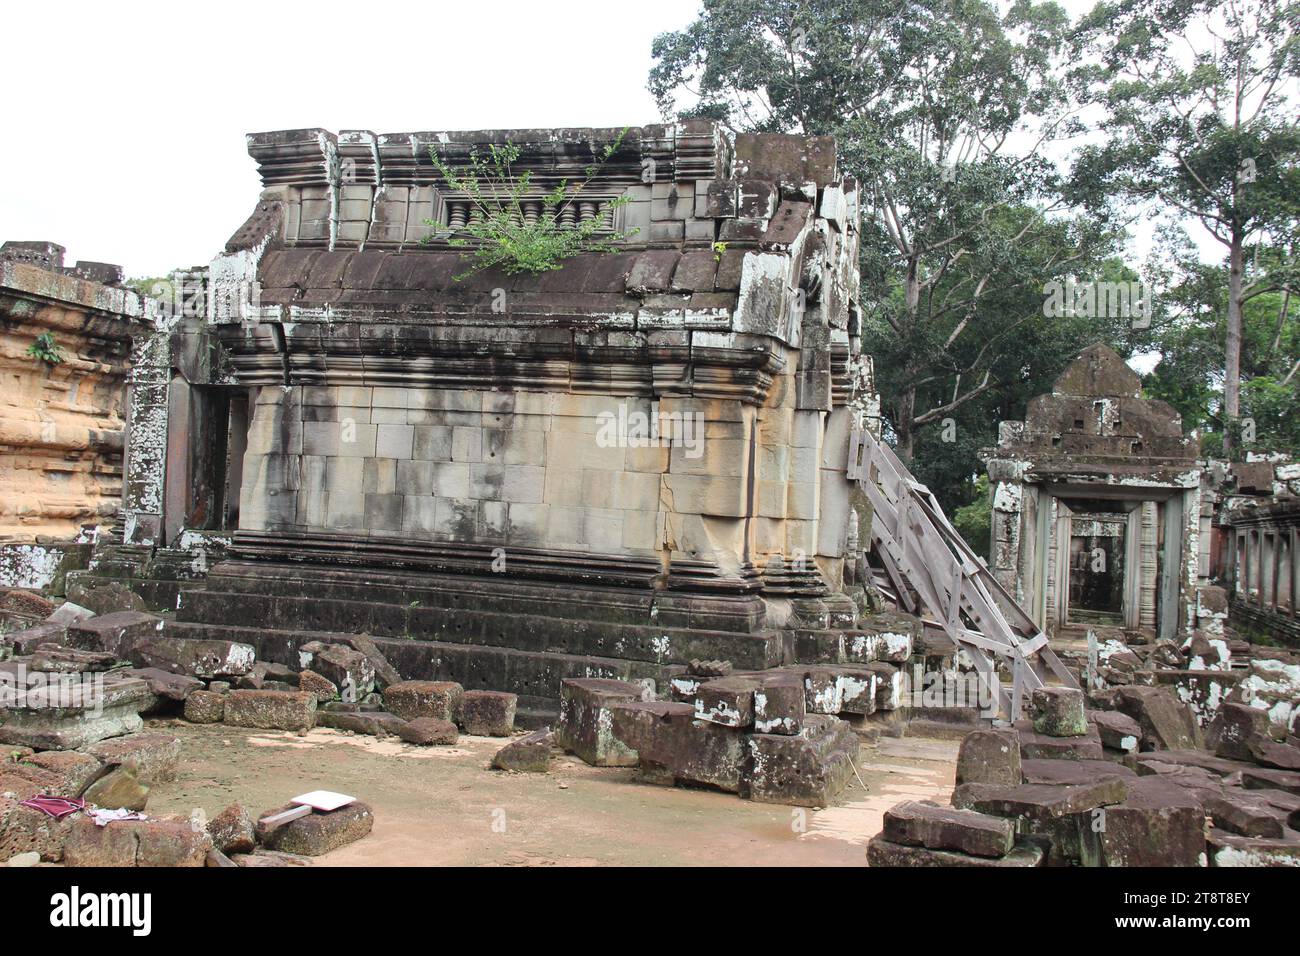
(1197, 97)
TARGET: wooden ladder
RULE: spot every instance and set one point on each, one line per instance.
(936, 576)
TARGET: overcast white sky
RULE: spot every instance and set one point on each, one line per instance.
(124, 122)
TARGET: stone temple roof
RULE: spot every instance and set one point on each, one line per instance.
(343, 219)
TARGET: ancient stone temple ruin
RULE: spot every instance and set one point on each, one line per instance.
(606, 470)
(1096, 507)
(67, 337)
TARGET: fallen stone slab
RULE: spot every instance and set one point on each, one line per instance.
(1157, 824)
(318, 833)
(883, 853)
(586, 724)
(1117, 730)
(115, 633)
(1270, 753)
(1059, 712)
(153, 756)
(206, 658)
(1072, 772)
(428, 732)
(54, 659)
(1228, 849)
(24, 643)
(1265, 778)
(728, 701)
(990, 756)
(1190, 758)
(271, 709)
(218, 860)
(1239, 812)
(69, 613)
(410, 699)
(385, 673)
(809, 769)
(22, 782)
(1040, 802)
(164, 684)
(488, 713)
(528, 754)
(232, 831)
(1232, 729)
(135, 843)
(205, 707)
(674, 748)
(100, 711)
(346, 668)
(779, 705)
(1036, 746)
(370, 723)
(1167, 723)
(929, 825)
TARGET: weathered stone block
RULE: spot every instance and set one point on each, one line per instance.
(205, 707)
(135, 843)
(1227, 849)
(779, 705)
(1117, 730)
(411, 699)
(586, 725)
(346, 668)
(271, 709)
(319, 833)
(314, 683)
(1167, 723)
(25, 830)
(882, 853)
(231, 830)
(119, 789)
(116, 633)
(989, 756)
(728, 701)
(197, 658)
(929, 825)
(429, 731)
(1036, 746)
(809, 769)
(1243, 813)
(75, 770)
(1072, 772)
(1157, 824)
(99, 714)
(528, 754)
(488, 713)
(1059, 712)
(370, 723)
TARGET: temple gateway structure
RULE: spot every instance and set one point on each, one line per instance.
(606, 470)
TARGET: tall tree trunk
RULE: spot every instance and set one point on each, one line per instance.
(1232, 347)
(903, 423)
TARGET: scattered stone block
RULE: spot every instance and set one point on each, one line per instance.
(96, 715)
(135, 843)
(809, 769)
(883, 853)
(385, 674)
(929, 825)
(1167, 723)
(1157, 824)
(231, 830)
(119, 789)
(410, 699)
(371, 723)
(1266, 778)
(823, 692)
(1039, 802)
(319, 833)
(528, 754)
(153, 756)
(675, 748)
(1059, 712)
(271, 709)
(586, 724)
(115, 633)
(197, 658)
(779, 705)
(1270, 753)
(728, 701)
(1240, 812)
(24, 830)
(1036, 746)
(1072, 772)
(346, 668)
(889, 686)
(488, 713)
(26, 641)
(205, 707)
(429, 731)
(164, 685)
(1233, 727)
(314, 683)
(1117, 730)
(989, 756)
(1228, 849)
(53, 659)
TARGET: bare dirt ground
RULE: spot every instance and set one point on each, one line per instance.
(438, 806)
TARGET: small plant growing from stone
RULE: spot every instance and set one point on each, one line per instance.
(718, 249)
(45, 349)
(513, 227)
